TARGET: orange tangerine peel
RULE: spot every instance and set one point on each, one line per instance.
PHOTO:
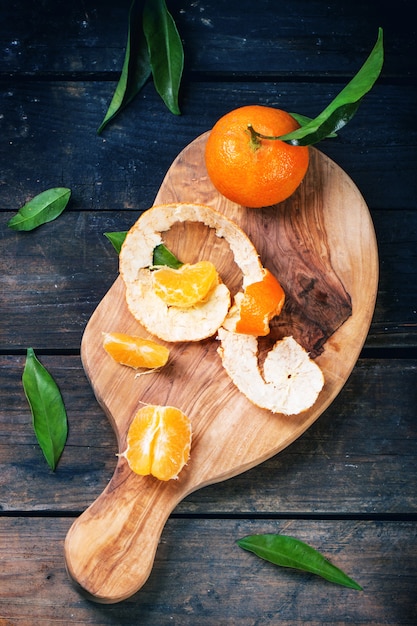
(135, 351)
(174, 323)
(158, 442)
(254, 308)
(290, 381)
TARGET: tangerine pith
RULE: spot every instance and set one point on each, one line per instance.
(253, 171)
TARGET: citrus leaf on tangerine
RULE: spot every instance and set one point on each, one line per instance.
(344, 106)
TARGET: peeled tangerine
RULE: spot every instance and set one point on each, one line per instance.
(291, 381)
(180, 323)
(158, 442)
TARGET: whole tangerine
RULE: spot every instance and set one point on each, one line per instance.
(248, 164)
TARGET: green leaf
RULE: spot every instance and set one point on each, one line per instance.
(43, 208)
(165, 51)
(163, 256)
(47, 407)
(117, 239)
(136, 66)
(341, 110)
(303, 120)
(290, 552)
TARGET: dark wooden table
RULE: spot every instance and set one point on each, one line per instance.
(348, 486)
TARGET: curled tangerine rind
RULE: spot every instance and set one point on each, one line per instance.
(254, 308)
(172, 323)
(291, 381)
(176, 323)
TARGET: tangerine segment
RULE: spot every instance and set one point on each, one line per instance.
(158, 442)
(135, 351)
(255, 172)
(187, 285)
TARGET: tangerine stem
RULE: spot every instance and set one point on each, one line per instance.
(255, 136)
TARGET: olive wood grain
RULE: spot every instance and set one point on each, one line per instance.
(321, 245)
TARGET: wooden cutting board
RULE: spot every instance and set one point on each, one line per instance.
(321, 246)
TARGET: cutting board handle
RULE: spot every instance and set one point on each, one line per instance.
(110, 548)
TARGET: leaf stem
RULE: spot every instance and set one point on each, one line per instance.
(255, 136)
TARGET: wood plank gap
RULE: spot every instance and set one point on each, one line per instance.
(389, 353)
(209, 77)
(41, 351)
(386, 517)
(244, 515)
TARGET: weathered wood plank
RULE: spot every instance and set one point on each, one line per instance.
(61, 271)
(358, 458)
(86, 36)
(50, 139)
(201, 577)
(395, 317)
